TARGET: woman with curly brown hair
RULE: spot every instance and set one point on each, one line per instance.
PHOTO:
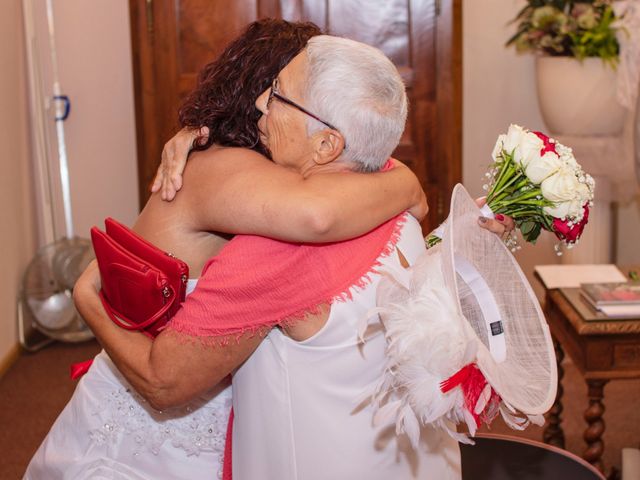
(107, 430)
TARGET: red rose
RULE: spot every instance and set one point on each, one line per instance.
(570, 234)
(549, 146)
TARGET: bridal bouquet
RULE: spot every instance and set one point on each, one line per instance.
(537, 182)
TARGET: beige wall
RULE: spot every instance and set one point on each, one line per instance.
(627, 250)
(17, 223)
(94, 58)
(498, 89)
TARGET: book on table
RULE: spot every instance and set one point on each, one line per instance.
(619, 299)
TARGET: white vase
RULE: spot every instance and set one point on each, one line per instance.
(578, 98)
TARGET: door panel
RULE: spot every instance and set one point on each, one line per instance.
(173, 39)
(205, 28)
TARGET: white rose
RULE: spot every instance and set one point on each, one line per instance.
(541, 167)
(498, 146)
(529, 149)
(583, 194)
(569, 194)
(513, 138)
(562, 186)
(560, 210)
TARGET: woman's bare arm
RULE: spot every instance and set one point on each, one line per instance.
(168, 371)
(252, 195)
(248, 194)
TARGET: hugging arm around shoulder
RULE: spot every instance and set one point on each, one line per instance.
(239, 191)
(172, 369)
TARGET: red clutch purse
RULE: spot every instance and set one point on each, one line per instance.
(142, 286)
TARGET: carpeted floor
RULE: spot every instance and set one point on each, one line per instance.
(37, 387)
(32, 394)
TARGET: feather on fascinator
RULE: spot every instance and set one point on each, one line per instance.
(466, 338)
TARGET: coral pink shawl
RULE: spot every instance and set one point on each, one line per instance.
(256, 283)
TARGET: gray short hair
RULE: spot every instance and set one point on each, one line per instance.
(356, 88)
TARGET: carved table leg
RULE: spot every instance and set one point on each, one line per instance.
(593, 416)
(553, 433)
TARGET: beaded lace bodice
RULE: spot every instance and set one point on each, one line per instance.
(198, 427)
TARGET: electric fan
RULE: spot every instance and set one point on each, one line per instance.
(47, 287)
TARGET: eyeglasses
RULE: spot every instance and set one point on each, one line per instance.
(273, 93)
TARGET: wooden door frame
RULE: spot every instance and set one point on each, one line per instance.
(448, 135)
(144, 86)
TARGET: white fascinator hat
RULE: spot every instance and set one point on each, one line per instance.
(466, 338)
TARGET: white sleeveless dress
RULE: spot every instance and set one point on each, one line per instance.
(107, 431)
(299, 409)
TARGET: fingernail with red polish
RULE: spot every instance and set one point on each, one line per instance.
(500, 217)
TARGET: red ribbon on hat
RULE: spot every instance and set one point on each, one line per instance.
(472, 382)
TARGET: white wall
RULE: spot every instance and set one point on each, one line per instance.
(94, 58)
(498, 89)
(17, 222)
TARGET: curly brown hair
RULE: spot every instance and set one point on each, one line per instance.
(224, 98)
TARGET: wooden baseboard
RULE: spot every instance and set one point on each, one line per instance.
(9, 359)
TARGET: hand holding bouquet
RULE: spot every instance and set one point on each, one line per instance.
(538, 182)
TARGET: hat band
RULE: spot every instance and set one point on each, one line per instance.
(488, 305)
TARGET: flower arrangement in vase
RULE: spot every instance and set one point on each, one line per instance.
(577, 53)
(568, 28)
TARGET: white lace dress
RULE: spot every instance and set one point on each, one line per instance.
(107, 431)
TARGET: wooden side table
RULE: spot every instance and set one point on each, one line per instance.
(603, 349)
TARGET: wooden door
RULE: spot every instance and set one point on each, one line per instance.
(173, 39)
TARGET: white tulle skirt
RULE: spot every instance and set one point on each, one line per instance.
(107, 431)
